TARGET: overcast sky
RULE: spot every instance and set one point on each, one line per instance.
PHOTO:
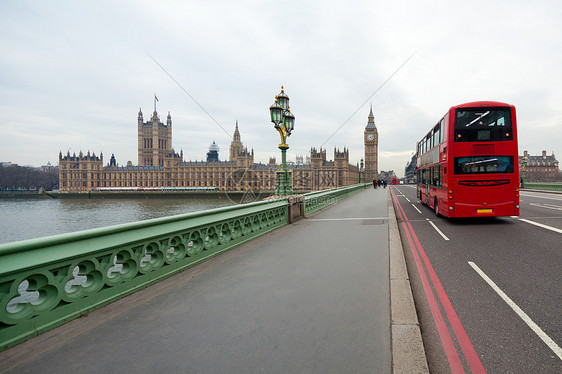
(74, 73)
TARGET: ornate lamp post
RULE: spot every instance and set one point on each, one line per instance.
(284, 122)
(523, 167)
(361, 173)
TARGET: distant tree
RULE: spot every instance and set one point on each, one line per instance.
(25, 178)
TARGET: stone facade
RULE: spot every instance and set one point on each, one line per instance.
(159, 166)
(541, 168)
(410, 170)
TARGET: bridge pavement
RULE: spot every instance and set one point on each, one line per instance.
(311, 297)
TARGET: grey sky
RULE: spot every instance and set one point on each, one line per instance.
(74, 73)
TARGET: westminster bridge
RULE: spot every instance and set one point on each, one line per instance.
(285, 295)
(315, 283)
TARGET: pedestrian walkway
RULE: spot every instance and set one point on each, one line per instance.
(311, 297)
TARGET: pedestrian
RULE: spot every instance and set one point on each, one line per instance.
(375, 184)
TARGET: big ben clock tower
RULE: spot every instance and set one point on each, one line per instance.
(371, 136)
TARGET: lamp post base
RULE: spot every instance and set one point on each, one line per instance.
(284, 185)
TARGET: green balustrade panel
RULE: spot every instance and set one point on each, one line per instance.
(543, 186)
(48, 281)
(317, 200)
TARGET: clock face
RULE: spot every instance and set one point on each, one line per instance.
(370, 137)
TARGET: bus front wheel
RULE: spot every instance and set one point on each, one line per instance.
(436, 207)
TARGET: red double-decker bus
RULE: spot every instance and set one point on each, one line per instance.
(467, 165)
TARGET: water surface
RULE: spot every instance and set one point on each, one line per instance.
(32, 218)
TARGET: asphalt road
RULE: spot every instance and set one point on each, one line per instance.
(492, 300)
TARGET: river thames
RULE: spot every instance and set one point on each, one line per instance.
(33, 218)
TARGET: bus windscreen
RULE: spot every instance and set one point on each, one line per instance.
(484, 165)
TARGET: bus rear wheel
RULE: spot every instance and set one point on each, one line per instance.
(436, 207)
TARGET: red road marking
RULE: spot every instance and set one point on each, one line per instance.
(400, 210)
(464, 341)
(450, 351)
(466, 346)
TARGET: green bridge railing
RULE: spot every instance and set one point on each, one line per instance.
(49, 281)
(317, 200)
(543, 186)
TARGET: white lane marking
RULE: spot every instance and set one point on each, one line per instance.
(536, 329)
(541, 225)
(542, 196)
(402, 195)
(547, 206)
(436, 229)
(416, 208)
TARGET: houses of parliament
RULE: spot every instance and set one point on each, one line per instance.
(160, 167)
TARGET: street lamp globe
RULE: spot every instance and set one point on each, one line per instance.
(283, 99)
(289, 121)
(276, 112)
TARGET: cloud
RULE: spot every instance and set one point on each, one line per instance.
(82, 70)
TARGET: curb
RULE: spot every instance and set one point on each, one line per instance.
(408, 353)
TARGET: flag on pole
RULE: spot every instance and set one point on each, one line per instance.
(156, 98)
